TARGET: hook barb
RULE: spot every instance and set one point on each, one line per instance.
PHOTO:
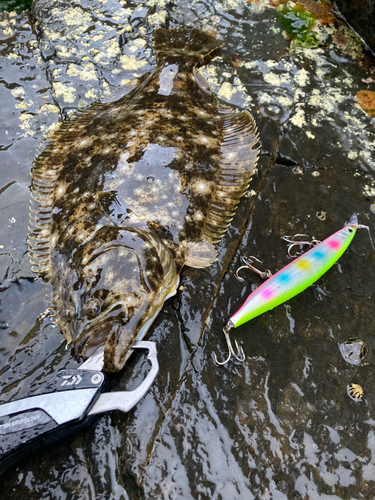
(240, 356)
(248, 265)
(294, 242)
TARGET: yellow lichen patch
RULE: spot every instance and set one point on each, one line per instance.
(49, 108)
(369, 190)
(112, 48)
(366, 100)
(18, 92)
(226, 91)
(232, 4)
(75, 16)
(126, 81)
(126, 28)
(106, 89)
(21, 105)
(232, 92)
(284, 101)
(62, 51)
(131, 63)
(86, 73)
(91, 94)
(26, 124)
(302, 78)
(52, 34)
(67, 93)
(157, 19)
(298, 119)
(277, 79)
(8, 31)
(328, 100)
(352, 155)
(136, 45)
(25, 117)
(24, 105)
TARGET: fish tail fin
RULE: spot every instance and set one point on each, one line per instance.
(193, 43)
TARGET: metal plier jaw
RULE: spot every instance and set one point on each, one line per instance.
(65, 404)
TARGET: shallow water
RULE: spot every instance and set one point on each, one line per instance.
(281, 425)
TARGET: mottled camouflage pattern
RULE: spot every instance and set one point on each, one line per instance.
(126, 193)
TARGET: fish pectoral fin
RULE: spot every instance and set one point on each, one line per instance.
(237, 163)
(201, 254)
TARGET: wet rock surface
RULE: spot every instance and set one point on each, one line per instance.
(281, 425)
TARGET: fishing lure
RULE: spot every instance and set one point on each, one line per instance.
(291, 280)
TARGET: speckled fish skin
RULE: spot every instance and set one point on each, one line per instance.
(127, 193)
(296, 276)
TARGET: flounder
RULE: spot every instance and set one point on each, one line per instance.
(127, 193)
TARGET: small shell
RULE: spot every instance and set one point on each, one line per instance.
(321, 214)
(298, 170)
(355, 391)
(353, 351)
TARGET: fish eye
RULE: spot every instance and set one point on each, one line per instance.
(92, 308)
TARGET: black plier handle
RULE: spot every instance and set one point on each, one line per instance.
(62, 405)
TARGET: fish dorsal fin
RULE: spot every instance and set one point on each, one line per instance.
(237, 163)
(44, 174)
(41, 206)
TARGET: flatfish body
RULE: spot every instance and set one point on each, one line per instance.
(127, 193)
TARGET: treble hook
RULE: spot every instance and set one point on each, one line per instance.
(248, 264)
(240, 356)
(294, 242)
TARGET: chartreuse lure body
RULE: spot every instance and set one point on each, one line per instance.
(292, 279)
(296, 276)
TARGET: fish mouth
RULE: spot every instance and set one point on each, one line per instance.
(135, 303)
(98, 330)
(93, 337)
(118, 347)
(116, 335)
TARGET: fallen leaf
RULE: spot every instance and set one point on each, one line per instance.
(235, 59)
(366, 99)
(321, 10)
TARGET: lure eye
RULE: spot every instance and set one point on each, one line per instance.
(92, 308)
(350, 229)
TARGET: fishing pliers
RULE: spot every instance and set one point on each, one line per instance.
(64, 404)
